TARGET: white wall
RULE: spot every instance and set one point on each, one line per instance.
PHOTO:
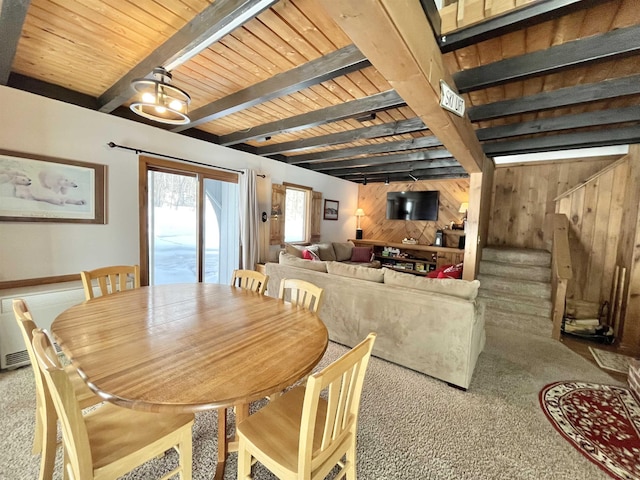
(34, 124)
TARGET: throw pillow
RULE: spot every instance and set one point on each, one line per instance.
(343, 250)
(311, 253)
(447, 286)
(453, 271)
(356, 271)
(437, 271)
(361, 254)
(293, 261)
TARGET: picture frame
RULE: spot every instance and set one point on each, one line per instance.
(331, 209)
(38, 188)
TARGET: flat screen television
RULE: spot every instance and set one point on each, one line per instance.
(421, 205)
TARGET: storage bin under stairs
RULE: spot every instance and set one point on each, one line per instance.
(515, 287)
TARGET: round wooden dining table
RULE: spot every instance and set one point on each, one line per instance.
(190, 347)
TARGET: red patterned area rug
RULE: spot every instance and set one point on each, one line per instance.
(601, 421)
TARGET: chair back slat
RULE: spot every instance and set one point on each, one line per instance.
(66, 404)
(301, 292)
(343, 380)
(250, 280)
(110, 279)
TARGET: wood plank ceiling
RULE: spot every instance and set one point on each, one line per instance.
(290, 84)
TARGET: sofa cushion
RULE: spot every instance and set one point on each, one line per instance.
(326, 252)
(361, 254)
(293, 250)
(343, 250)
(356, 271)
(293, 261)
(446, 286)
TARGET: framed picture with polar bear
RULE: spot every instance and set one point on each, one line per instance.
(36, 188)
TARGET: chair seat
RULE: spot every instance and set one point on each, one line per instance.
(280, 419)
(143, 429)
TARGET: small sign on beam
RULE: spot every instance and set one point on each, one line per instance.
(450, 100)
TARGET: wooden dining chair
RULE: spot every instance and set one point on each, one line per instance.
(110, 279)
(302, 293)
(250, 280)
(45, 437)
(303, 435)
(110, 441)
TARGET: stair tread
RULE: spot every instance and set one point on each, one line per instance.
(491, 276)
(517, 256)
(520, 266)
(513, 297)
(526, 323)
(515, 249)
(489, 308)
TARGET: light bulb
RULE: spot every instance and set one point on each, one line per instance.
(148, 97)
(161, 109)
(175, 105)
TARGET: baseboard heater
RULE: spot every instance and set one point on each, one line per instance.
(45, 302)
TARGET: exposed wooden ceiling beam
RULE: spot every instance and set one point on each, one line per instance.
(410, 144)
(382, 159)
(12, 15)
(529, 15)
(384, 130)
(407, 55)
(428, 174)
(50, 90)
(614, 43)
(599, 138)
(379, 101)
(565, 122)
(433, 15)
(218, 16)
(394, 167)
(562, 97)
(336, 64)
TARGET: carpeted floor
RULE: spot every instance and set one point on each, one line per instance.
(411, 425)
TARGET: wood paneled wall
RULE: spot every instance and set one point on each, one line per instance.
(629, 255)
(372, 199)
(523, 199)
(595, 211)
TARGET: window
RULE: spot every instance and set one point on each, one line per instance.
(296, 211)
(191, 233)
(296, 214)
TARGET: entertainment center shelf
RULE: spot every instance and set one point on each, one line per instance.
(426, 256)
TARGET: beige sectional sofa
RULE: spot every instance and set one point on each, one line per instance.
(433, 326)
(345, 252)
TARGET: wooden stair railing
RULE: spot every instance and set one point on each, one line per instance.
(561, 271)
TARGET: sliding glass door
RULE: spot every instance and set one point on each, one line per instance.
(192, 227)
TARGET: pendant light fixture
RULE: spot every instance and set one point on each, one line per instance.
(160, 101)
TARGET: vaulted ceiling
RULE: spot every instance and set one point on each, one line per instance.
(290, 84)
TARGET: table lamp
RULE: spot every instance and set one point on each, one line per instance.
(464, 206)
(359, 214)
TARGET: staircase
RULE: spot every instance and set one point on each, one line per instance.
(515, 287)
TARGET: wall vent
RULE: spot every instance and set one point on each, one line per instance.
(17, 359)
(21, 358)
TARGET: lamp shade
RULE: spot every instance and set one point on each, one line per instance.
(359, 213)
(160, 101)
(464, 207)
